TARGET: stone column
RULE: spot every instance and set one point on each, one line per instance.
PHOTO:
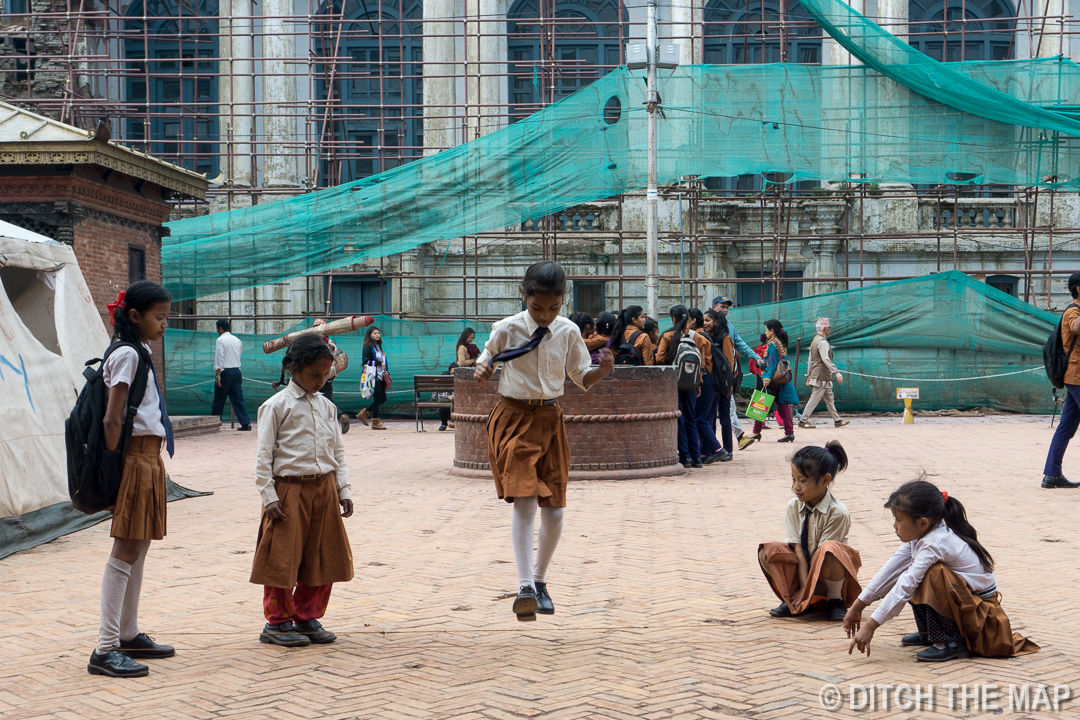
(441, 70)
(832, 53)
(493, 86)
(685, 17)
(236, 87)
(412, 289)
(279, 166)
(1048, 39)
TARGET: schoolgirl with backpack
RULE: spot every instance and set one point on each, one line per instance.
(115, 436)
(632, 344)
(691, 355)
(1062, 361)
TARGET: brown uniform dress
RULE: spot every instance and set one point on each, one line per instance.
(596, 341)
(528, 452)
(983, 624)
(1072, 371)
(139, 513)
(812, 594)
(310, 545)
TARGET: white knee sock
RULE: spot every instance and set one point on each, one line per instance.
(113, 587)
(834, 589)
(550, 532)
(129, 616)
(521, 529)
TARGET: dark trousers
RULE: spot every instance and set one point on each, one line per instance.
(724, 412)
(689, 440)
(378, 397)
(1070, 420)
(231, 387)
(707, 406)
(444, 415)
(933, 626)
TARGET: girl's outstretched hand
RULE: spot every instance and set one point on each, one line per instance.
(483, 372)
(863, 637)
(852, 621)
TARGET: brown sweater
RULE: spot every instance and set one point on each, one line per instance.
(643, 344)
(665, 354)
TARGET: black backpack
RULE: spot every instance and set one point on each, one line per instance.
(94, 473)
(628, 354)
(1055, 359)
(723, 375)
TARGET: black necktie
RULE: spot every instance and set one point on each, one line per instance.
(804, 536)
(525, 349)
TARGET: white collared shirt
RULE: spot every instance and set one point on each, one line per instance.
(538, 375)
(299, 435)
(902, 573)
(227, 351)
(829, 520)
(120, 368)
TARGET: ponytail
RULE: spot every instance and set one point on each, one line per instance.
(623, 322)
(816, 462)
(679, 319)
(139, 296)
(921, 499)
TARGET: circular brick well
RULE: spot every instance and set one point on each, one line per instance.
(625, 427)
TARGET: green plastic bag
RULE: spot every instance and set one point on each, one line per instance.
(760, 406)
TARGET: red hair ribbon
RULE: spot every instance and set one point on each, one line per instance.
(111, 307)
(945, 496)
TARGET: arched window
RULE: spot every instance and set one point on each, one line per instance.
(171, 84)
(938, 29)
(553, 58)
(378, 124)
(747, 33)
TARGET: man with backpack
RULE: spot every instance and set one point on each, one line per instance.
(1063, 368)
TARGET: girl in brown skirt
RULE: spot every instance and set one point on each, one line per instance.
(527, 446)
(300, 471)
(814, 566)
(948, 578)
(140, 316)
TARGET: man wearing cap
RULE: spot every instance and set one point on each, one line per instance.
(721, 305)
(820, 372)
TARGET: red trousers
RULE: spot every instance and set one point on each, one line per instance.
(299, 604)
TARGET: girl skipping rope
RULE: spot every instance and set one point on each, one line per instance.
(301, 473)
(140, 316)
(527, 446)
(814, 566)
(948, 577)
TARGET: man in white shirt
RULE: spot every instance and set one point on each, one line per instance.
(229, 380)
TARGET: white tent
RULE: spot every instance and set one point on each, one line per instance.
(49, 327)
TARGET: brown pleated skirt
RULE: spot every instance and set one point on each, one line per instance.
(310, 544)
(781, 557)
(139, 513)
(983, 623)
(528, 452)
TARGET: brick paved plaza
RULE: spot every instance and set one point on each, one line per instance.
(661, 608)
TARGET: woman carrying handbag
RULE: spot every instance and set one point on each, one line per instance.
(374, 366)
(777, 382)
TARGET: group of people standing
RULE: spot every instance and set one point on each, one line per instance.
(634, 339)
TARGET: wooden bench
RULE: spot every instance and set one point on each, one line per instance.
(423, 387)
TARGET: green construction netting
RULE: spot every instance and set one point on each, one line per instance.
(826, 123)
(894, 58)
(412, 348)
(960, 341)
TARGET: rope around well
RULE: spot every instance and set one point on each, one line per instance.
(629, 417)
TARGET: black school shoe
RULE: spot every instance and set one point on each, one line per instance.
(836, 609)
(115, 664)
(787, 438)
(544, 606)
(143, 647)
(781, 610)
(284, 635)
(525, 603)
(244, 428)
(720, 455)
(314, 631)
(696, 463)
(684, 462)
(953, 650)
(915, 640)
(1049, 481)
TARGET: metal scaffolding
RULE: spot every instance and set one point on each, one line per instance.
(276, 98)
